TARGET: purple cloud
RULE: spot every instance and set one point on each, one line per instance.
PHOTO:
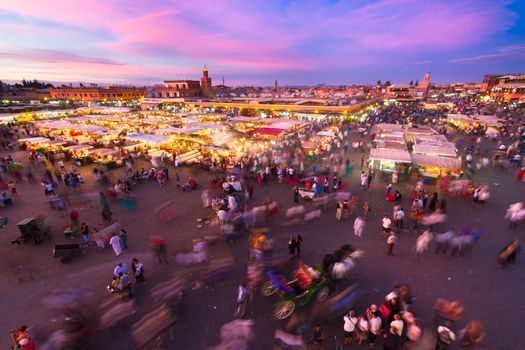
(504, 54)
(54, 56)
(247, 37)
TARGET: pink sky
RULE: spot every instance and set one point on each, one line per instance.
(246, 41)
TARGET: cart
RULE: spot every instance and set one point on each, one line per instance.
(29, 230)
(292, 294)
(66, 252)
(306, 193)
(71, 232)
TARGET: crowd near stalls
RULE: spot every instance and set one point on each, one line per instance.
(399, 148)
(488, 125)
(310, 156)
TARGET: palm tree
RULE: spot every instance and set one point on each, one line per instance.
(388, 83)
(378, 83)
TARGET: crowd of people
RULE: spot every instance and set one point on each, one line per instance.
(326, 173)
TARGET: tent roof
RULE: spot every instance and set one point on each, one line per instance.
(34, 140)
(446, 149)
(395, 155)
(269, 131)
(441, 162)
(147, 138)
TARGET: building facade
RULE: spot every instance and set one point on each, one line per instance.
(207, 89)
(177, 88)
(97, 94)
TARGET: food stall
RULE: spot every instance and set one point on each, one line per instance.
(108, 157)
(33, 143)
(80, 153)
(389, 160)
(434, 165)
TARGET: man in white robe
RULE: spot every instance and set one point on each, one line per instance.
(115, 244)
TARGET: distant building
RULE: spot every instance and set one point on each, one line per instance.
(505, 87)
(491, 80)
(176, 89)
(401, 92)
(184, 88)
(275, 84)
(112, 93)
(23, 94)
(207, 89)
(423, 87)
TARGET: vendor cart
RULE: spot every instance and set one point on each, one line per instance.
(29, 231)
(306, 193)
(66, 252)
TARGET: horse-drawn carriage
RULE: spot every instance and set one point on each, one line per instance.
(308, 285)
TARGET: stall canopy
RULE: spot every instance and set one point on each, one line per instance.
(394, 155)
(446, 149)
(269, 131)
(436, 161)
(172, 130)
(326, 133)
(33, 140)
(79, 147)
(105, 151)
(147, 138)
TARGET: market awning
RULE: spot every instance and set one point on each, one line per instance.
(446, 149)
(437, 161)
(104, 151)
(326, 133)
(269, 131)
(147, 138)
(78, 147)
(394, 155)
(33, 140)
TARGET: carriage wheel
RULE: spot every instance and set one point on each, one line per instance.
(268, 289)
(322, 294)
(284, 309)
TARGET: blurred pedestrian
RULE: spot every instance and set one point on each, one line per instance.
(123, 238)
(84, 230)
(359, 226)
(361, 329)
(508, 254)
(350, 322)
(115, 244)
(158, 244)
(138, 270)
(391, 241)
(292, 245)
(295, 194)
(318, 336)
(445, 336)
(391, 340)
(299, 243)
(433, 202)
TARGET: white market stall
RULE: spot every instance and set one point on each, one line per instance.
(388, 159)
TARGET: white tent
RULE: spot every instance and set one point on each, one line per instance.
(34, 140)
(394, 155)
(147, 138)
(437, 161)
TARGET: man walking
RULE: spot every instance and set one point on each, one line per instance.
(359, 226)
(115, 244)
(387, 225)
(391, 241)
(138, 271)
(400, 214)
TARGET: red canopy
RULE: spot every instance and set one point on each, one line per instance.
(269, 131)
